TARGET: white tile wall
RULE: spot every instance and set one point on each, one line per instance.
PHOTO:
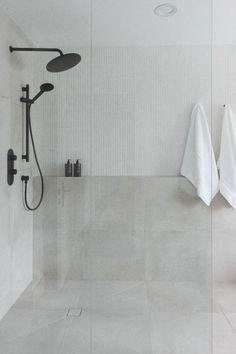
(123, 111)
(15, 222)
(223, 86)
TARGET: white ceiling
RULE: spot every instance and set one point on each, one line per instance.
(51, 22)
(122, 22)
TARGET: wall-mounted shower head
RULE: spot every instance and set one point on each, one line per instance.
(43, 88)
(61, 63)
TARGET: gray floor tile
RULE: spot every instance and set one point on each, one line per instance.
(181, 333)
(224, 338)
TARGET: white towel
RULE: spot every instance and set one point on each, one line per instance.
(227, 159)
(199, 164)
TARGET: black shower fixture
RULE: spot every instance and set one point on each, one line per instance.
(61, 63)
(43, 88)
(29, 135)
(29, 101)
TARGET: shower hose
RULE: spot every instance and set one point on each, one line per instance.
(26, 179)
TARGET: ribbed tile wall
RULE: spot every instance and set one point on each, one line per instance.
(123, 111)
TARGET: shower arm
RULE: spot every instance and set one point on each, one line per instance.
(14, 49)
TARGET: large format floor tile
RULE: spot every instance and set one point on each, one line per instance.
(120, 334)
(51, 295)
(225, 297)
(120, 317)
(224, 336)
(181, 333)
(181, 297)
(21, 323)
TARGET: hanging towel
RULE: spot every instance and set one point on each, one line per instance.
(199, 164)
(227, 159)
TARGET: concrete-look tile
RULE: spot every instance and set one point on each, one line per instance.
(69, 255)
(74, 204)
(5, 143)
(111, 255)
(51, 295)
(231, 318)
(5, 135)
(61, 254)
(179, 297)
(76, 264)
(6, 298)
(224, 244)
(178, 256)
(223, 216)
(224, 338)
(15, 224)
(46, 216)
(171, 205)
(20, 323)
(181, 333)
(118, 204)
(121, 334)
(5, 214)
(118, 298)
(225, 296)
(38, 254)
(46, 340)
(45, 253)
(77, 338)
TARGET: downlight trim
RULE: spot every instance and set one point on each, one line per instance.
(165, 10)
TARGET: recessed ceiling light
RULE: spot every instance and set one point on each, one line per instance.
(165, 10)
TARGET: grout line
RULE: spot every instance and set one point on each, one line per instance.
(107, 297)
(126, 289)
(229, 322)
(65, 333)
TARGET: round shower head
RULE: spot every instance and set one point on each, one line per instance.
(63, 62)
(43, 88)
(46, 87)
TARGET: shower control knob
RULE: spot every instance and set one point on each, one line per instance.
(13, 158)
(13, 171)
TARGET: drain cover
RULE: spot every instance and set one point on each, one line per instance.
(76, 312)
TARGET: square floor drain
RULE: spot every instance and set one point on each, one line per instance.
(76, 312)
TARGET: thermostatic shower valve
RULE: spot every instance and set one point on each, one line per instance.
(11, 171)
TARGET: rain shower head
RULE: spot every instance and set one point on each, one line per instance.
(61, 63)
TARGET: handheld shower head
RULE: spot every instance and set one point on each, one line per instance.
(46, 87)
(43, 88)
